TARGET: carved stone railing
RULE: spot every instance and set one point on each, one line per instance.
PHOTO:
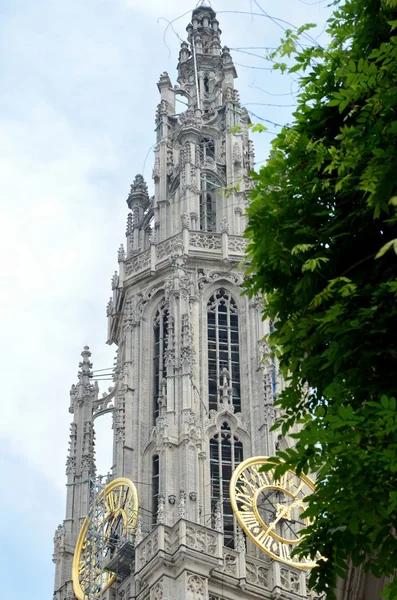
(202, 539)
(185, 536)
(205, 241)
(237, 244)
(222, 244)
(257, 572)
(182, 534)
(137, 263)
(148, 548)
(165, 249)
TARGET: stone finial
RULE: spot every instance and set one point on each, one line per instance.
(115, 280)
(161, 510)
(138, 531)
(184, 52)
(240, 540)
(129, 227)
(139, 184)
(219, 516)
(85, 365)
(121, 254)
(109, 307)
(59, 543)
(164, 81)
(138, 195)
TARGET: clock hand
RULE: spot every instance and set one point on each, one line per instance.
(287, 508)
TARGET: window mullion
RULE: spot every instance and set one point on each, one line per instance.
(217, 352)
(229, 348)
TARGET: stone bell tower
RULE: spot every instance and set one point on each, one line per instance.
(194, 384)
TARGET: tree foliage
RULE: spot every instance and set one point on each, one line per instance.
(322, 231)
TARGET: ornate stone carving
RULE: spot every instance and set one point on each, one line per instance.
(182, 505)
(119, 420)
(206, 241)
(137, 263)
(129, 224)
(121, 254)
(237, 245)
(209, 164)
(185, 220)
(230, 564)
(209, 277)
(115, 280)
(193, 426)
(219, 517)
(171, 540)
(161, 510)
(195, 588)
(237, 156)
(138, 531)
(240, 540)
(188, 120)
(166, 248)
(153, 237)
(156, 168)
(157, 591)
(269, 413)
(224, 225)
(149, 549)
(70, 465)
(225, 389)
(59, 543)
(256, 573)
(187, 349)
(200, 539)
(290, 580)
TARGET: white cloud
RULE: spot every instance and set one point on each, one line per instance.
(53, 218)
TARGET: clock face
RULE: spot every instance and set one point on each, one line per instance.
(111, 518)
(270, 511)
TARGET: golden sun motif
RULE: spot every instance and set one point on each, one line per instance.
(114, 515)
(269, 511)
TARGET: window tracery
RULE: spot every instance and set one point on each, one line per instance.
(223, 347)
(160, 331)
(226, 452)
(155, 486)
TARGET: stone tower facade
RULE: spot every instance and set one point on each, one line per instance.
(194, 384)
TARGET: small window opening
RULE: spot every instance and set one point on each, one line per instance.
(155, 486)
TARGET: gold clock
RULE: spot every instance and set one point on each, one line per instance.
(111, 518)
(269, 511)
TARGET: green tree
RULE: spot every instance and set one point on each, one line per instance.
(322, 246)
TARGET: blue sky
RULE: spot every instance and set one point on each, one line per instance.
(78, 80)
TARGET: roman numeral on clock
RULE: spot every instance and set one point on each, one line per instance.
(248, 519)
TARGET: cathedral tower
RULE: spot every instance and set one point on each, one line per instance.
(194, 385)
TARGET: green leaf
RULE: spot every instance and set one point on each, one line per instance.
(386, 247)
(314, 263)
(259, 128)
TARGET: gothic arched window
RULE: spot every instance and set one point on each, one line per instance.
(207, 149)
(223, 348)
(208, 198)
(155, 486)
(226, 452)
(160, 330)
